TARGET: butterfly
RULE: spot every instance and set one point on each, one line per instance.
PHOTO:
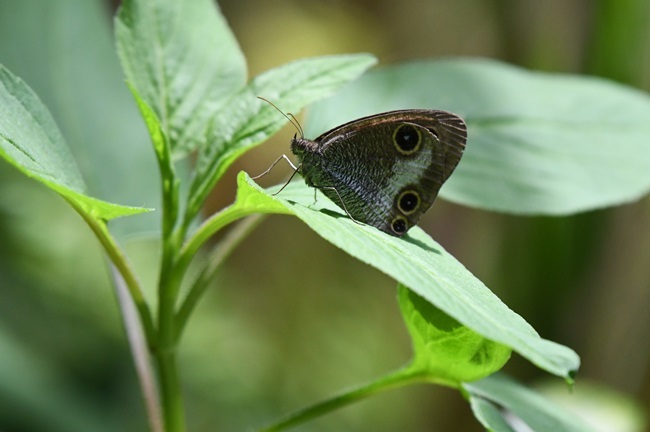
(386, 169)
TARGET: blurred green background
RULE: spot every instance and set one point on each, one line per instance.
(292, 319)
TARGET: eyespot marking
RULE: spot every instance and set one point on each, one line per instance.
(408, 202)
(399, 225)
(407, 139)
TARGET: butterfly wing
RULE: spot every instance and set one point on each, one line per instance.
(386, 170)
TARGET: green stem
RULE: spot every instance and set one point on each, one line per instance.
(140, 352)
(175, 263)
(399, 378)
(215, 223)
(219, 255)
(120, 261)
(130, 282)
(170, 391)
(620, 40)
(169, 284)
(171, 274)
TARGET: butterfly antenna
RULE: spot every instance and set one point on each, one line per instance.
(292, 119)
(296, 123)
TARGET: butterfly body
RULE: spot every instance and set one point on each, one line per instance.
(384, 170)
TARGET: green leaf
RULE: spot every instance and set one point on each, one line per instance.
(417, 262)
(248, 121)
(158, 139)
(539, 143)
(537, 412)
(66, 52)
(184, 62)
(489, 415)
(447, 351)
(31, 141)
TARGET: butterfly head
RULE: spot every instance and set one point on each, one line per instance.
(300, 146)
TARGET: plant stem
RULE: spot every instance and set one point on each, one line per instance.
(396, 379)
(169, 283)
(125, 281)
(140, 351)
(168, 287)
(118, 259)
(210, 227)
(218, 256)
(170, 392)
(620, 40)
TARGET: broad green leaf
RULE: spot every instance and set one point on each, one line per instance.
(419, 263)
(247, 121)
(31, 141)
(65, 50)
(447, 351)
(539, 413)
(539, 143)
(184, 62)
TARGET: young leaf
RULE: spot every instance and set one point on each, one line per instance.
(247, 121)
(31, 141)
(444, 349)
(538, 143)
(184, 62)
(414, 260)
(538, 413)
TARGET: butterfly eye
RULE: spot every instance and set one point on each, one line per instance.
(407, 139)
(399, 225)
(408, 201)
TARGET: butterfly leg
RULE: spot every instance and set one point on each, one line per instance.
(295, 170)
(342, 203)
(288, 181)
(284, 156)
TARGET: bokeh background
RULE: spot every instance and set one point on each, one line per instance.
(291, 319)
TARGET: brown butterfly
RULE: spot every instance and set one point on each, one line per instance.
(384, 170)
